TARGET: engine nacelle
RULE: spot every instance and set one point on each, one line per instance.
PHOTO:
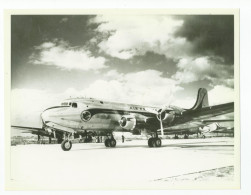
(167, 117)
(130, 122)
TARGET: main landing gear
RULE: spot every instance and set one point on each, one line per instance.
(154, 141)
(110, 141)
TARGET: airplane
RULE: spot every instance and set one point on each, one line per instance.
(218, 128)
(78, 117)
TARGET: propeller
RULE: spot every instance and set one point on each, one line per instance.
(166, 109)
(160, 115)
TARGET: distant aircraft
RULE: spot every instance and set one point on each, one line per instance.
(217, 128)
(81, 117)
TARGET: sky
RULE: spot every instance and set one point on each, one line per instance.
(143, 59)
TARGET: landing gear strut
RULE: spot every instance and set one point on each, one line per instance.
(59, 140)
(154, 141)
(185, 136)
(110, 141)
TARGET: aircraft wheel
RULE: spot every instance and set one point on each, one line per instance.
(157, 142)
(112, 143)
(107, 142)
(66, 145)
(150, 142)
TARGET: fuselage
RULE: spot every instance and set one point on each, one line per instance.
(73, 114)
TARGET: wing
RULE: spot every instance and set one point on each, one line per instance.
(33, 130)
(194, 119)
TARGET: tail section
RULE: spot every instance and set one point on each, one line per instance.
(202, 99)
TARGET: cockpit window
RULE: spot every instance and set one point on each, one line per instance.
(74, 105)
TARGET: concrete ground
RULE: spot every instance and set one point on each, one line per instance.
(131, 165)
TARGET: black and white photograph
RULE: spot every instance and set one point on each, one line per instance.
(129, 99)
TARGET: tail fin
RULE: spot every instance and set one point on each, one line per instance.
(202, 99)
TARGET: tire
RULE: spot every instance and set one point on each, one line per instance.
(150, 142)
(112, 143)
(154, 142)
(66, 145)
(107, 142)
(158, 142)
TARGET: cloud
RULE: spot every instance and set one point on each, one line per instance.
(28, 104)
(209, 35)
(195, 69)
(145, 87)
(114, 74)
(220, 94)
(61, 55)
(134, 35)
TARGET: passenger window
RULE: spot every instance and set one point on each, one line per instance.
(74, 105)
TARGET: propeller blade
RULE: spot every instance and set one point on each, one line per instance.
(161, 128)
(54, 132)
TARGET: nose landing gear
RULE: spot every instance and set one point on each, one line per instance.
(66, 144)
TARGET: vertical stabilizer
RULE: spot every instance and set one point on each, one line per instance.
(202, 99)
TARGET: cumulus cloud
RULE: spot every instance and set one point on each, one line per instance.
(185, 102)
(195, 69)
(134, 35)
(61, 55)
(220, 94)
(209, 35)
(28, 104)
(145, 87)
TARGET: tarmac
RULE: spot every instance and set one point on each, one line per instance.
(130, 165)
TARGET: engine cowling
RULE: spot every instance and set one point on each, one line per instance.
(166, 117)
(131, 122)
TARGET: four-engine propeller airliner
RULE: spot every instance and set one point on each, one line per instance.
(77, 117)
